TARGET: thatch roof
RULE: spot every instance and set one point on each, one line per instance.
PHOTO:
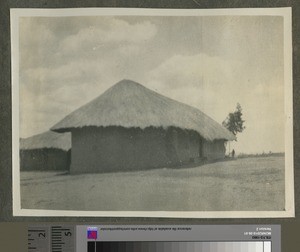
(129, 104)
(48, 140)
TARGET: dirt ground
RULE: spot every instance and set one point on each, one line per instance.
(236, 185)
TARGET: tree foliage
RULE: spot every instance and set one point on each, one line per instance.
(234, 121)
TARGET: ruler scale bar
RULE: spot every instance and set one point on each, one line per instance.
(62, 239)
(51, 238)
(38, 238)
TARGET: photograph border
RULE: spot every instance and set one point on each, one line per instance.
(289, 175)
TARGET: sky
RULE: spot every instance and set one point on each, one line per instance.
(211, 63)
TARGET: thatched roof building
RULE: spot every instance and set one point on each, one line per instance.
(125, 114)
(131, 105)
(45, 151)
(47, 140)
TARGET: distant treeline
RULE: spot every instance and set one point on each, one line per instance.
(268, 154)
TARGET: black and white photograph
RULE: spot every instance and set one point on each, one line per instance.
(152, 112)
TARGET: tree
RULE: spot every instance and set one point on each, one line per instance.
(234, 121)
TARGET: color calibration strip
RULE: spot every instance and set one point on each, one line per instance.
(159, 246)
